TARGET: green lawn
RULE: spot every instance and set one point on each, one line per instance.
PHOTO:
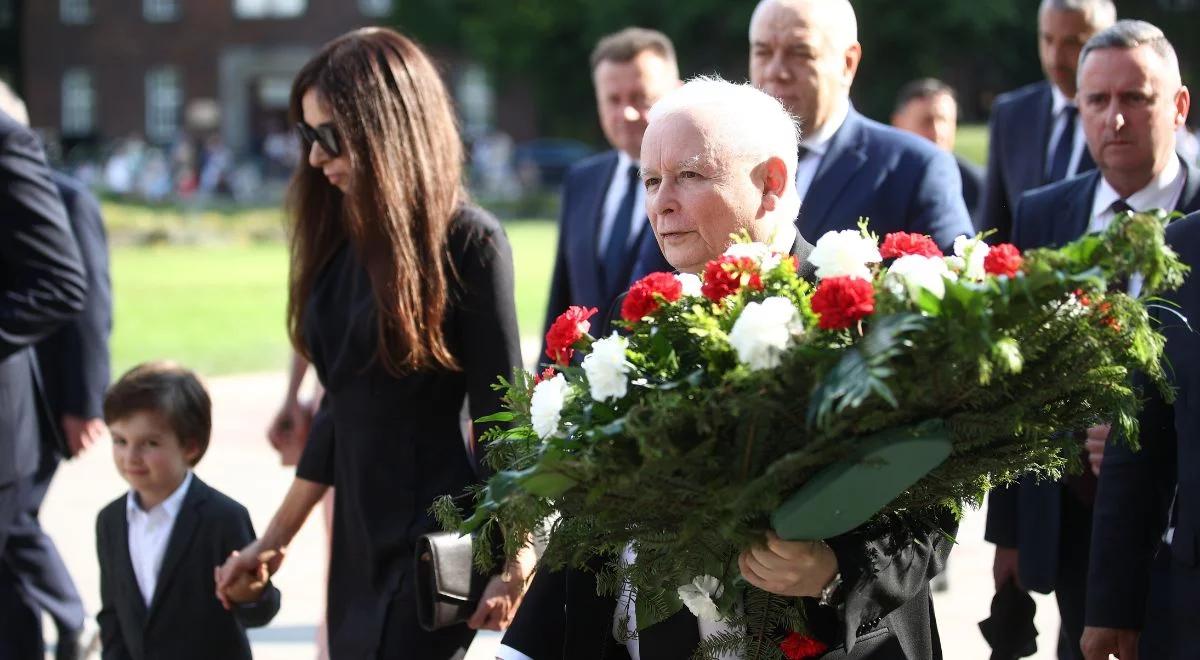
(972, 143)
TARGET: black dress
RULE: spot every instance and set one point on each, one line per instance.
(390, 445)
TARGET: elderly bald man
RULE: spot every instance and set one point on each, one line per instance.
(806, 53)
(717, 159)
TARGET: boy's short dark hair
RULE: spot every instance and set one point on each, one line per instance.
(169, 390)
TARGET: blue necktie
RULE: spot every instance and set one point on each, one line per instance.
(618, 237)
(1061, 158)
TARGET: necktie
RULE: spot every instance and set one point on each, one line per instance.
(1120, 206)
(1061, 158)
(618, 237)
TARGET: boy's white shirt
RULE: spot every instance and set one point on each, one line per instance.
(149, 532)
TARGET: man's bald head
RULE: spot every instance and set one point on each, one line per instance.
(805, 53)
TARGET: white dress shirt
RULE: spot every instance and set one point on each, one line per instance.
(149, 532)
(1162, 192)
(1059, 119)
(612, 203)
(817, 144)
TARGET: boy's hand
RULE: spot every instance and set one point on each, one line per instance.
(244, 576)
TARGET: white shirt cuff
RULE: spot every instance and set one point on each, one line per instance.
(508, 653)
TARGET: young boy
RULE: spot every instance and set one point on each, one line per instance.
(159, 543)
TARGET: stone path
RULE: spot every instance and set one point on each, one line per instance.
(242, 464)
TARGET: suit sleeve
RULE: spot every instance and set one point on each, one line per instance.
(489, 345)
(239, 534)
(83, 343)
(112, 640)
(42, 281)
(996, 214)
(538, 629)
(938, 208)
(560, 281)
(878, 578)
(1130, 516)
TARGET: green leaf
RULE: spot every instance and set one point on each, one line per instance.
(502, 416)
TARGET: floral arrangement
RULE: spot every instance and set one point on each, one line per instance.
(686, 434)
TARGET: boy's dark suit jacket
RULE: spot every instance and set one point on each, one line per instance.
(887, 613)
(1027, 516)
(1136, 581)
(184, 620)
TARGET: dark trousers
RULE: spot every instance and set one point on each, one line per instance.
(405, 639)
(1070, 588)
(1172, 630)
(20, 638)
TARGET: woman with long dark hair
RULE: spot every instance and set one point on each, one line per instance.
(401, 297)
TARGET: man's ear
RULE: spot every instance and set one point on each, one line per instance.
(774, 182)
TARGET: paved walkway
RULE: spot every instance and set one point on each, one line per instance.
(241, 464)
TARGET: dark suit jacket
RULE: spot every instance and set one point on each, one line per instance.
(972, 187)
(1027, 516)
(74, 359)
(577, 268)
(887, 613)
(42, 285)
(900, 181)
(184, 619)
(1135, 491)
(1018, 136)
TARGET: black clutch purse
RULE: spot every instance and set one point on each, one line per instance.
(448, 586)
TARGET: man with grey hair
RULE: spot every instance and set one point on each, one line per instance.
(806, 53)
(1131, 102)
(719, 158)
(1034, 134)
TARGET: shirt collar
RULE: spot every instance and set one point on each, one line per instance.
(818, 142)
(623, 163)
(1060, 101)
(1161, 193)
(170, 506)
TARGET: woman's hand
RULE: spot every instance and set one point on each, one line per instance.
(245, 572)
(502, 596)
(789, 568)
(289, 430)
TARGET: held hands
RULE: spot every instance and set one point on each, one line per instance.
(502, 596)
(244, 575)
(789, 568)
(1096, 437)
(82, 433)
(1099, 643)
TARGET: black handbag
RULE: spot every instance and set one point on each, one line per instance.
(447, 584)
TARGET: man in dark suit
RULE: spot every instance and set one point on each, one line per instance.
(1144, 581)
(42, 285)
(719, 158)
(74, 364)
(1034, 137)
(604, 241)
(805, 53)
(929, 108)
(1131, 103)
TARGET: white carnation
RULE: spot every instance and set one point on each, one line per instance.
(914, 270)
(545, 408)
(698, 596)
(691, 284)
(972, 251)
(844, 254)
(763, 330)
(606, 368)
(759, 252)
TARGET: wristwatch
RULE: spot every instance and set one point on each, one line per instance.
(830, 590)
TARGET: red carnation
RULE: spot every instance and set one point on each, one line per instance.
(725, 275)
(800, 647)
(1003, 259)
(842, 301)
(901, 243)
(641, 300)
(546, 374)
(568, 328)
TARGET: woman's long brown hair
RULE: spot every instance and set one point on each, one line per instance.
(396, 125)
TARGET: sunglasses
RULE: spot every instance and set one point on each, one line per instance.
(324, 135)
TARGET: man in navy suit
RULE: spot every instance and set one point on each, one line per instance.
(928, 107)
(604, 239)
(805, 53)
(42, 286)
(1034, 133)
(1131, 101)
(1144, 582)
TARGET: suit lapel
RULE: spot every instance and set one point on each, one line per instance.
(1077, 211)
(1189, 198)
(843, 158)
(181, 537)
(594, 208)
(1034, 151)
(124, 567)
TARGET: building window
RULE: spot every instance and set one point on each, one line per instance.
(376, 8)
(269, 8)
(164, 103)
(78, 103)
(75, 12)
(160, 11)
